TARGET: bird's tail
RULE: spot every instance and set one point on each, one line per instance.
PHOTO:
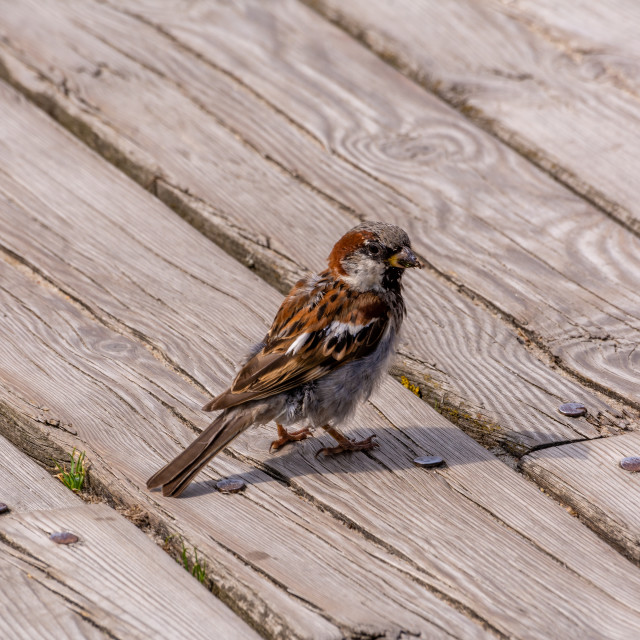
(176, 475)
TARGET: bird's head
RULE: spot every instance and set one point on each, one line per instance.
(372, 255)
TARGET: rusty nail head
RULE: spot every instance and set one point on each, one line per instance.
(230, 485)
(4, 508)
(63, 537)
(572, 409)
(631, 463)
(428, 461)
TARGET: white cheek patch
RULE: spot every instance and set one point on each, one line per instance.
(367, 276)
(297, 344)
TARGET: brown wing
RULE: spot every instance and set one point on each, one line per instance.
(320, 326)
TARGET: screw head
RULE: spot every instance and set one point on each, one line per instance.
(230, 485)
(428, 462)
(572, 409)
(63, 537)
(632, 463)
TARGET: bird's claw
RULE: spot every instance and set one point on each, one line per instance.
(293, 436)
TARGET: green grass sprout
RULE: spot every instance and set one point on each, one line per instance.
(74, 478)
(198, 570)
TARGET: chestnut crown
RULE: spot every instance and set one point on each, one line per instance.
(371, 253)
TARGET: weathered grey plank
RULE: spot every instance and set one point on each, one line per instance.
(605, 36)
(25, 486)
(563, 95)
(29, 607)
(30, 610)
(114, 577)
(587, 476)
(380, 546)
(464, 358)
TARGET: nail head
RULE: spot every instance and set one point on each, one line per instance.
(572, 409)
(632, 463)
(230, 485)
(428, 461)
(63, 537)
(4, 508)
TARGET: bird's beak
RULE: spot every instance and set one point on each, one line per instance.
(404, 259)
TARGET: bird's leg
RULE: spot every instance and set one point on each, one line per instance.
(285, 436)
(346, 444)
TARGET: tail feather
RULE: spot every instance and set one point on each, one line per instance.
(176, 475)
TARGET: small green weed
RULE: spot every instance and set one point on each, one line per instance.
(198, 570)
(74, 478)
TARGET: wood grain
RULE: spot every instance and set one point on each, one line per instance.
(25, 486)
(563, 95)
(588, 478)
(352, 546)
(114, 577)
(467, 360)
(30, 610)
(604, 36)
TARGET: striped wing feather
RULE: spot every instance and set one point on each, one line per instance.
(318, 328)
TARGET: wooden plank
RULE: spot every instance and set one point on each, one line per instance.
(587, 476)
(476, 367)
(564, 99)
(115, 578)
(605, 35)
(26, 486)
(30, 610)
(313, 548)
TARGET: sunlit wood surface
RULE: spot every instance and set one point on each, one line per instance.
(169, 169)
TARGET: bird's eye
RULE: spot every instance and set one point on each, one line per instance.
(374, 249)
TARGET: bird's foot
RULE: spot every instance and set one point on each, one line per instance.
(285, 436)
(346, 444)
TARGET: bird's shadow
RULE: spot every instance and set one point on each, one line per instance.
(396, 451)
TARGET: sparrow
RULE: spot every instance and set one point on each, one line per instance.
(329, 345)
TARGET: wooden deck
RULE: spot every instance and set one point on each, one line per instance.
(167, 171)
